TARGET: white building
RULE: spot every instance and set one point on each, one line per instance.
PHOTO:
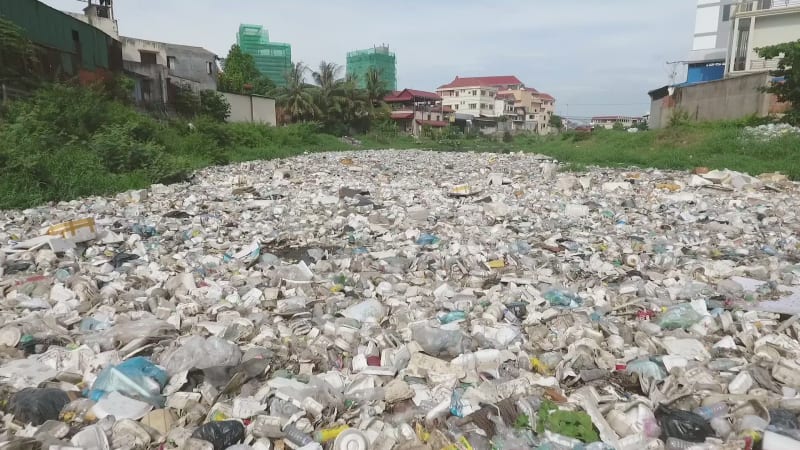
(500, 96)
(608, 122)
(760, 23)
(706, 61)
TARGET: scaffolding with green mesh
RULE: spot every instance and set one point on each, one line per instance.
(360, 61)
(272, 59)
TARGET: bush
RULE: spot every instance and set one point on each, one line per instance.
(508, 137)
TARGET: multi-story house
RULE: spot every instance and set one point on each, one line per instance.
(157, 68)
(706, 61)
(532, 110)
(500, 96)
(470, 96)
(412, 110)
(760, 23)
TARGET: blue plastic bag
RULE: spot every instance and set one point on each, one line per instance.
(137, 378)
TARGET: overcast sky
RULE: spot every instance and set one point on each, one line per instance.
(597, 57)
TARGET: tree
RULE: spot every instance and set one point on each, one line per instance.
(376, 86)
(329, 92)
(556, 122)
(296, 98)
(19, 65)
(787, 90)
(189, 103)
(214, 105)
(241, 76)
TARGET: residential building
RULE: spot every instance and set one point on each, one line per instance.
(412, 110)
(532, 110)
(194, 66)
(359, 63)
(760, 23)
(706, 61)
(608, 122)
(273, 59)
(157, 68)
(67, 47)
(500, 96)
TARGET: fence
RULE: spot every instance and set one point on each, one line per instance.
(7, 93)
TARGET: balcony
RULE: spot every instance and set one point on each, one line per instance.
(762, 7)
(763, 64)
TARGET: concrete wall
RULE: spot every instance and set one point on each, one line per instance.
(192, 64)
(248, 108)
(131, 48)
(729, 98)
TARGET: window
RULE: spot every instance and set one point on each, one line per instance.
(483, 93)
(429, 116)
(726, 13)
(530, 117)
(148, 58)
(210, 67)
(491, 107)
(455, 106)
(473, 106)
(170, 62)
(475, 92)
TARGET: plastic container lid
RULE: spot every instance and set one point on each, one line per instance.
(351, 439)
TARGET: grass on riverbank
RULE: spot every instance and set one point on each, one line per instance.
(69, 142)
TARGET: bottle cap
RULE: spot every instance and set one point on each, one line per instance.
(351, 439)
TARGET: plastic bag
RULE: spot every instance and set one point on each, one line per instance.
(37, 406)
(560, 297)
(440, 342)
(197, 352)
(221, 434)
(646, 369)
(137, 378)
(684, 425)
(679, 316)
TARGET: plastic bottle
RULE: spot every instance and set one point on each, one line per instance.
(297, 437)
(678, 444)
(711, 411)
(329, 434)
(366, 395)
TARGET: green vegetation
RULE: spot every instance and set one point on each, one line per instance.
(66, 142)
(715, 145)
(787, 90)
(241, 75)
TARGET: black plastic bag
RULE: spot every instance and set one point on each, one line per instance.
(221, 434)
(37, 406)
(684, 425)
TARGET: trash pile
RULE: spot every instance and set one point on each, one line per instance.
(770, 131)
(407, 300)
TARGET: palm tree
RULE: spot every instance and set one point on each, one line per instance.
(376, 87)
(296, 98)
(329, 91)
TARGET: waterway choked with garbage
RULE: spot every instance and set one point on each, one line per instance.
(407, 300)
